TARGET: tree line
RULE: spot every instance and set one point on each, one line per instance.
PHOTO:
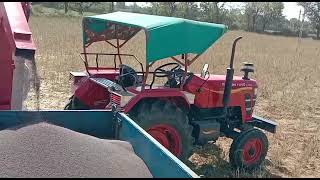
(261, 17)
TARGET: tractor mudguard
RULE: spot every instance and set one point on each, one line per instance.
(92, 95)
(178, 97)
(263, 123)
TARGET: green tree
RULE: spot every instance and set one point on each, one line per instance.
(135, 7)
(213, 11)
(219, 11)
(312, 10)
(120, 5)
(252, 11)
(206, 11)
(81, 6)
(164, 8)
(169, 7)
(156, 8)
(66, 7)
(234, 19)
(188, 10)
(111, 6)
(294, 24)
(270, 11)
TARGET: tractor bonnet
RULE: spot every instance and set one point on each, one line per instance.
(165, 36)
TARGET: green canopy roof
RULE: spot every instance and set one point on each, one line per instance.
(165, 36)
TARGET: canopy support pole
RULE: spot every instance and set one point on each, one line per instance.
(185, 70)
(86, 60)
(146, 75)
(192, 60)
(111, 44)
(118, 51)
(177, 60)
(118, 46)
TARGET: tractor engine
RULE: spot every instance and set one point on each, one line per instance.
(209, 93)
(208, 113)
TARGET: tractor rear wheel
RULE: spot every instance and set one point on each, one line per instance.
(168, 124)
(249, 149)
(75, 104)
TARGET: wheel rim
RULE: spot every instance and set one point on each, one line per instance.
(252, 151)
(168, 137)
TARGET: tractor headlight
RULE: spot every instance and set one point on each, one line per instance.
(255, 91)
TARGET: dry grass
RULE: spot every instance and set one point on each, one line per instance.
(289, 91)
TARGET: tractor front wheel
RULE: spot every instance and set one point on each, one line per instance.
(249, 149)
(168, 124)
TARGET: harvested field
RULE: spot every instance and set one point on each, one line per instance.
(288, 76)
(43, 150)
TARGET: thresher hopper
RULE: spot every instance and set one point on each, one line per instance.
(17, 51)
(188, 108)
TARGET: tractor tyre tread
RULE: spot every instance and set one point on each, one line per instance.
(235, 152)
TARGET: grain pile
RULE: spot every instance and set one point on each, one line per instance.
(45, 150)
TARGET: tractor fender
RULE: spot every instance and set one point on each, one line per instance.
(92, 94)
(177, 97)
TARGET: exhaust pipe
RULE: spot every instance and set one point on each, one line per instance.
(229, 79)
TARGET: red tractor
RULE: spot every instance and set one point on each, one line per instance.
(188, 108)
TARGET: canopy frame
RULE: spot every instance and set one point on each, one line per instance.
(125, 31)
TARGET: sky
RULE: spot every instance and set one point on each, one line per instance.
(291, 9)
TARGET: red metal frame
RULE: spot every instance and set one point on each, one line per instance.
(14, 34)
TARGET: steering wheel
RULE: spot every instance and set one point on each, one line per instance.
(127, 77)
(166, 73)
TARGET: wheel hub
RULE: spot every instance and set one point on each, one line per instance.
(252, 151)
(168, 137)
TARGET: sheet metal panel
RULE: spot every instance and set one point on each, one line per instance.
(100, 123)
(161, 162)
